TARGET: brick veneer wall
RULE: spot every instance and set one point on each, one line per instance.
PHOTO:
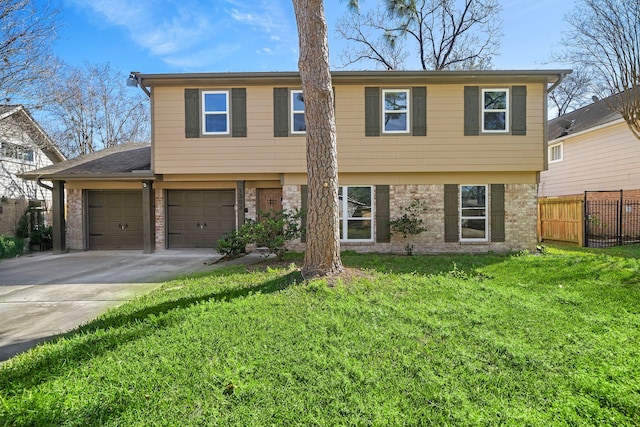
(160, 215)
(520, 221)
(10, 213)
(74, 218)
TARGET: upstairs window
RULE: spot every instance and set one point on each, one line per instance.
(495, 108)
(395, 111)
(215, 112)
(555, 153)
(298, 125)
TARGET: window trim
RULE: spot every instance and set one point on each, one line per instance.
(345, 219)
(204, 113)
(486, 217)
(293, 112)
(406, 111)
(559, 145)
(506, 110)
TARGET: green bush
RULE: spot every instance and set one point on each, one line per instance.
(409, 223)
(10, 246)
(273, 231)
(234, 243)
(276, 229)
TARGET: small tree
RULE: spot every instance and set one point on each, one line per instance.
(409, 223)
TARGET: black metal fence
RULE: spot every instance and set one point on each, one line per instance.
(611, 222)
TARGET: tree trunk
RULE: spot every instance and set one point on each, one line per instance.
(322, 255)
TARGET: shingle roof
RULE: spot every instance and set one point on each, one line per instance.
(121, 161)
(584, 118)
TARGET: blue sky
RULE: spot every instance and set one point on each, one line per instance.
(164, 36)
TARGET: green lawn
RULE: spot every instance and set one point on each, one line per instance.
(549, 339)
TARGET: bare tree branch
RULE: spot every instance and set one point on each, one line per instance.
(94, 110)
(604, 38)
(446, 34)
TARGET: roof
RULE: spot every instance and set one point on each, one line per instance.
(124, 161)
(33, 129)
(354, 77)
(591, 116)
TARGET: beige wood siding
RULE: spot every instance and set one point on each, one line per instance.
(605, 159)
(444, 149)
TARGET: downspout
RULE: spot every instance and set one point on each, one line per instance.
(561, 77)
(42, 184)
(135, 80)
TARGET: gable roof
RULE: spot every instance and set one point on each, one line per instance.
(124, 161)
(582, 119)
(33, 129)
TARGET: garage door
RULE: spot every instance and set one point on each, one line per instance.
(115, 220)
(198, 218)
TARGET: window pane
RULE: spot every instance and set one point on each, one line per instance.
(215, 102)
(298, 101)
(298, 123)
(395, 101)
(359, 229)
(473, 228)
(359, 202)
(395, 121)
(495, 100)
(341, 237)
(340, 206)
(216, 123)
(495, 121)
(473, 196)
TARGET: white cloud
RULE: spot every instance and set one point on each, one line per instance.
(195, 34)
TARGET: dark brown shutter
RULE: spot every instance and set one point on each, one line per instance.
(239, 112)
(419, 111)
(303, 206)
(451, 213)
(497, 213)
(372, 108)
(280, 111)
(383, 231)
(519, 110)
(191, 113)
(471, 110)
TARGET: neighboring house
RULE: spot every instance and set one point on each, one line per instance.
(470, 144)
(591, 149)
(24, 146)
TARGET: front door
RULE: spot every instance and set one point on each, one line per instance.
(269, 201)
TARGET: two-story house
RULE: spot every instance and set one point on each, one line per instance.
(225, 146)
(24, 146)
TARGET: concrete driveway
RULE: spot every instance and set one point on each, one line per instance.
(43, 295)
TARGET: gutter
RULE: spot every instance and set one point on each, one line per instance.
(561, 77)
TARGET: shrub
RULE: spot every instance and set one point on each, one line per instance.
(10, 246)
(276, 229)
(234, 242)
(409, 223)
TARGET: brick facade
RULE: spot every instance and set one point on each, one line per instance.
(74, 223)
(159, 214)
(11, 210)
(520, 221)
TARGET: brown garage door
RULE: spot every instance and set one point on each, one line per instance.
(198, 218)
(115, 220)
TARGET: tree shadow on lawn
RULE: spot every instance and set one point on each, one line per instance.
(112, 330)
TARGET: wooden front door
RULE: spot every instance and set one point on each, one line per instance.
(269, 200)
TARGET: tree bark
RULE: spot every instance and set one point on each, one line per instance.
(322, 254)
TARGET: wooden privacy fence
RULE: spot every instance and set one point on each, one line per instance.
(561, 220)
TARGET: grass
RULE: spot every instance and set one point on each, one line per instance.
(528, 340)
